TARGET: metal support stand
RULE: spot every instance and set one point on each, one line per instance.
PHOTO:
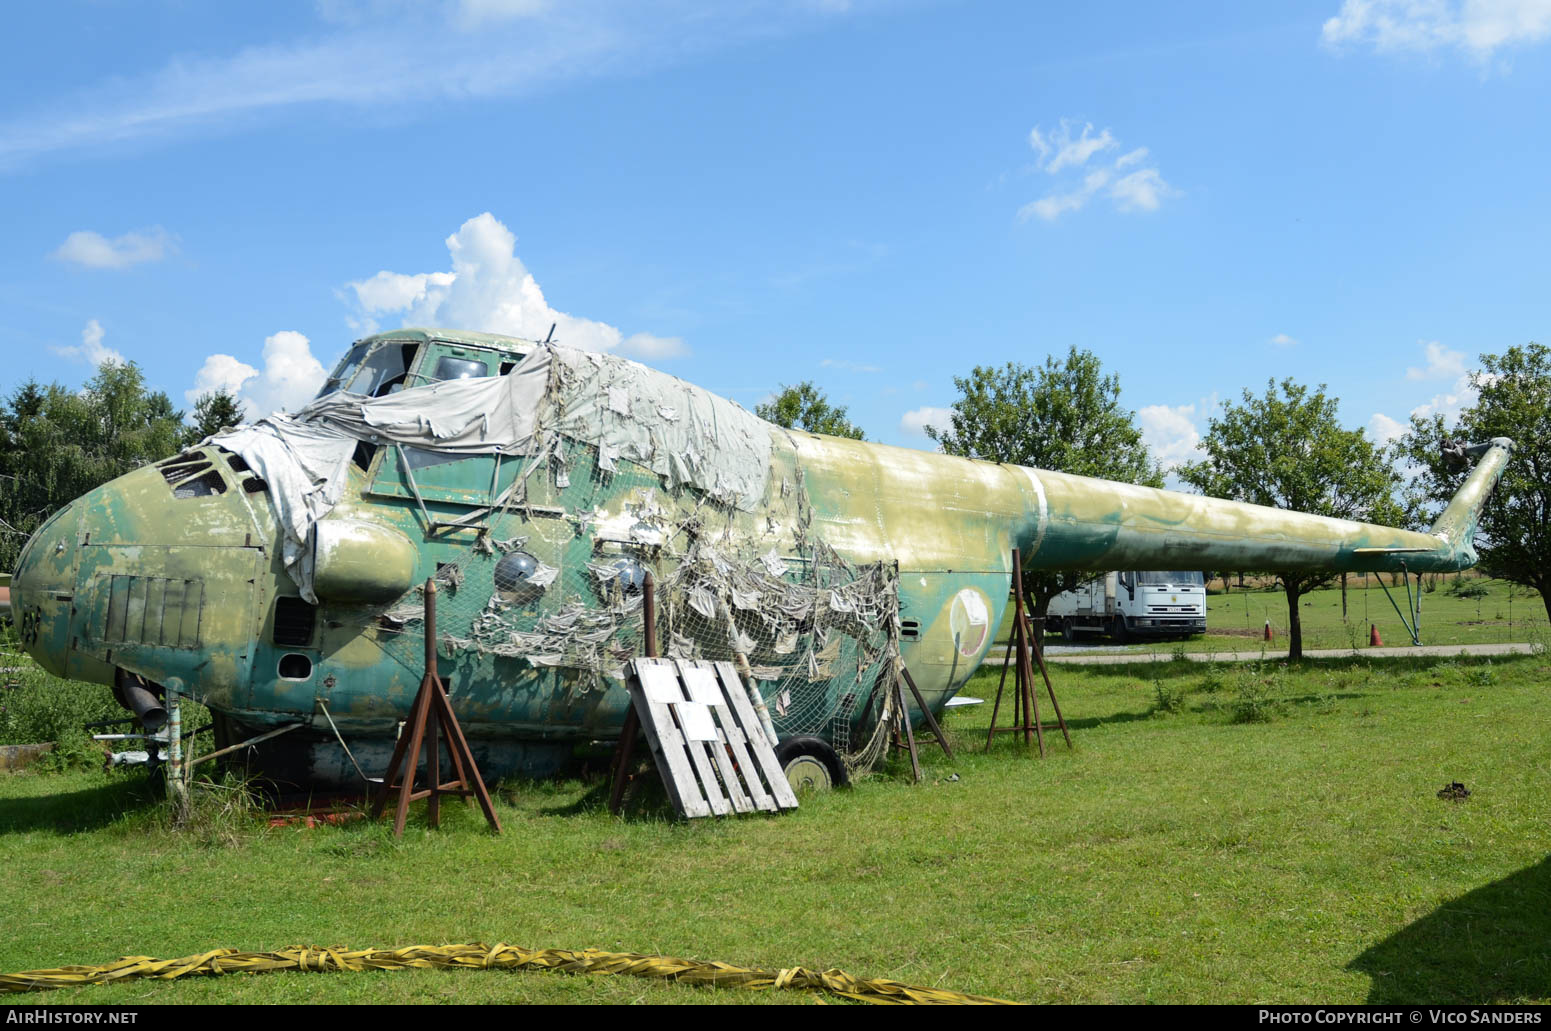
(177, 772)
(1023, 651)
(624, 751)
(904, 681)
(431, 706)
(1414, 624)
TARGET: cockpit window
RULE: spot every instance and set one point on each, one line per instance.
(192, 476)
(347, 367)
(371, 370)
(460, 368)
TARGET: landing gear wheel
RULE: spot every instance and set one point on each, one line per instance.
(810, 764)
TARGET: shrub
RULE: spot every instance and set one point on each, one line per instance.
(1256, 700)
(1481, 676)
(1171, 697)
(1462, 588)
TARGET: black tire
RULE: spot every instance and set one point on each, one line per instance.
(810, 764)
(1068, 631)
(1120, 633)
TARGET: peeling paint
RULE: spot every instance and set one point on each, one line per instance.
(948, 524)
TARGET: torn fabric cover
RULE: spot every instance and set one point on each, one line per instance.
(709, 443)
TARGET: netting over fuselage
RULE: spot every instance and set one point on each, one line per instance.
(559, 587)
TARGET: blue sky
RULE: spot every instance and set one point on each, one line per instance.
(874, 195)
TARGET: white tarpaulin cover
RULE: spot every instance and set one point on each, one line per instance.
(626, 410)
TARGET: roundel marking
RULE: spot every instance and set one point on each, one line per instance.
(970, 620)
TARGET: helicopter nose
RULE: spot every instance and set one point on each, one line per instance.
(43, 589)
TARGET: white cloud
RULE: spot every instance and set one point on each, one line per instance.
(1170, 433)
(473, 12)
(1442, 363)
(1069, 152)
(915, 422)
(1383, 429)
(85, 247)
(1476, 27)
(1283, 340)
(848, 366)
(1134, 157)
(1449, 403)
(490, 289)
(1141, 190)
(91, 349)
(393, 291)
(386, 57)
(289, 379)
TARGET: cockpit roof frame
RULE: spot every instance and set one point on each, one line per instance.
(462, 337)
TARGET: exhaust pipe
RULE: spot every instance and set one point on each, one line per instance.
(135, 695)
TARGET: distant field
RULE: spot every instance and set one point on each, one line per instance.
(1218, 835)
(1235, 621)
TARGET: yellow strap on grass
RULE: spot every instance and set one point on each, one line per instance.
(492, 957)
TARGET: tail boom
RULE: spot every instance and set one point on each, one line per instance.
(1084, 523)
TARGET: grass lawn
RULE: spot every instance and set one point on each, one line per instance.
(1176, 855)
(1235, 621)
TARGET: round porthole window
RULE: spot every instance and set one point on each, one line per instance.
(631, 576)
(514, 579)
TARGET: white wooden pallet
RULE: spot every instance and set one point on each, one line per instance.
(709, 747)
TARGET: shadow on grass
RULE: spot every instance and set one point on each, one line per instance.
(1492, 945)
(75, 811)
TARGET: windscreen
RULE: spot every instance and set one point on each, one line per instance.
(1171, 578)
(371, 370)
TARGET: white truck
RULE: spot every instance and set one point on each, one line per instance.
(1132, 604)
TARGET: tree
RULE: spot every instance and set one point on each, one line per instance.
(56, 444)
(805, 407)
(1288, 450)
(215, 411)
(1065, 416)
(1515, 402)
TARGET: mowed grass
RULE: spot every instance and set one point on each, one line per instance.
(1175, 855)
(1235, 620)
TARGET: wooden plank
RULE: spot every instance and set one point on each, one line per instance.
(697, 747)
(764, 753)
(651, 687)
(737, 741)
(703, 688)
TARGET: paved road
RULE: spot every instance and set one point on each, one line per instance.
(1112, 658)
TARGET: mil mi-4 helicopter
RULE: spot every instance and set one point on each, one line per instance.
(275, 572)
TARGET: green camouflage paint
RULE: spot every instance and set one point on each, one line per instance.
(183, 590)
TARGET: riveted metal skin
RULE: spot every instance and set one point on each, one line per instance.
(183, 590)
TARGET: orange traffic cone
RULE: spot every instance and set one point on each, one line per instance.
(1373, 636)
(1268, 630)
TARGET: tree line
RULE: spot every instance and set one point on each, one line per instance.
(1284, 448)
(57, 443)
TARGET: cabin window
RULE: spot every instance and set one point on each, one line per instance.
(193, 479)
(295, 667)
(444, 476)
(459, 368)
(363, 455)
(294, 619)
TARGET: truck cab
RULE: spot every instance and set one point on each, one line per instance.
(1132, 604)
